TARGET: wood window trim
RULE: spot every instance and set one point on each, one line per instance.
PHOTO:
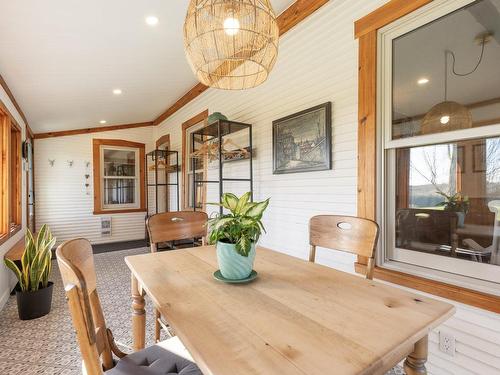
(11, 197)
(96, 154)
(366, 31)
(459, 294)
(202, 116)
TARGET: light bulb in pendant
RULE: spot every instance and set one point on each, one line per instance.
(231, 26)
(444, 120)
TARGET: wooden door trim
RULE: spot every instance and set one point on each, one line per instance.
(162, 140)
(202, 116)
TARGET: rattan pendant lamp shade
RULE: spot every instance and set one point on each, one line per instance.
(231, 44)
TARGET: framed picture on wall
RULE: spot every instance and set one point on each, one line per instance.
(302, 142)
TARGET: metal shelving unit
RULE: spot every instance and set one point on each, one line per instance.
(153, 158)
(218, 130)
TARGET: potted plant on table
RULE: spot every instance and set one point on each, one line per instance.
(34, 290)
(457, 203)
(236, 234)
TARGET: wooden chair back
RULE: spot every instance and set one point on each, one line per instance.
(76, 264)
(176, 225)
(345, 233)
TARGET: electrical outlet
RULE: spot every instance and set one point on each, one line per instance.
(447, 343)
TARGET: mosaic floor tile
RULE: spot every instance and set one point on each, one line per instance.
(48, 345)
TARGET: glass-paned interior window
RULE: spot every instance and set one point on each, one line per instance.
(120, 177)
(441, 141)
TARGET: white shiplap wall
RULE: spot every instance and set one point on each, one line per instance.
(62, 201)
(318, 63)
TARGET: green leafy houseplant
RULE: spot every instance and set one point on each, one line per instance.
(454, 202)
(35, 262)
(242, 226)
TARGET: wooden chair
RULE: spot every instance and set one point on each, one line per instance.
(96, 342)
(174, 226)
(345, 233)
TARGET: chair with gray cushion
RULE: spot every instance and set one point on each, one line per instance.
(97, 346)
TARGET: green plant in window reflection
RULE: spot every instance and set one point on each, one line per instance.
(455, 202)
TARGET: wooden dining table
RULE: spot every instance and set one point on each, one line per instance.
(297, 317)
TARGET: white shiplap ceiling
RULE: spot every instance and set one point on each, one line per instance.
(62, 59)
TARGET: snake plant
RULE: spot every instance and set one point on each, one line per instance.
(35, 261)
(241, 226)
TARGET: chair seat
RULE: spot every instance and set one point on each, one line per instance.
(168, 357)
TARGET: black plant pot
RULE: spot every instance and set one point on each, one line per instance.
(32, 305)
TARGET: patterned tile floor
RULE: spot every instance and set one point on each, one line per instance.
(48, 346)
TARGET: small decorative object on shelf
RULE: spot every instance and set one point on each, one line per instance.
(236, 234)
(216, 116)
(34, 291)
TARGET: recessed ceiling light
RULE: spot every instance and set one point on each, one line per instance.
(102, 122)
(423, 81)
(117, 91)
(152, 20)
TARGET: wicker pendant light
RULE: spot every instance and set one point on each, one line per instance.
(449, 115)
(231, 44)
(446, 116)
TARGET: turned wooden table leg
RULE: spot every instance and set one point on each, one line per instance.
(138, 316)
(415, 362)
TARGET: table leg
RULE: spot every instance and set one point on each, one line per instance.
(138, 316)
(415, 362)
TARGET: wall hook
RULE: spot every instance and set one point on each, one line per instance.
(70, 163)
(87, 164)
(51, 162)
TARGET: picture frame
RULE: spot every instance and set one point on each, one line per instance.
(302, 142)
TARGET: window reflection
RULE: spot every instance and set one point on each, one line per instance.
(445, 73)
(448, 199)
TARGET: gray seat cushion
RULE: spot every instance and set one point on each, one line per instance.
(154, 360)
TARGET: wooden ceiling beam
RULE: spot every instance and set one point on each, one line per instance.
(64, 133)
(292, 16)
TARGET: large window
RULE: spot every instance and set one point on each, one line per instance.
(440, 132)
(10, 174)
(118, 176)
